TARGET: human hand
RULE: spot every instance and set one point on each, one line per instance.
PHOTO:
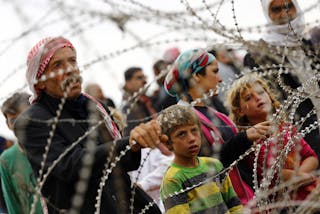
(259, 131)
(305, 179)
(300, 178)
(148, 135)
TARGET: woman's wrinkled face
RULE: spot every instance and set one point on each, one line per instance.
(282, 11)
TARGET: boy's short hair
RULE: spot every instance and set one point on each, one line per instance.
(177, 115)
(15, 104)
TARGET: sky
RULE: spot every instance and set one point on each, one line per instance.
(123, 33)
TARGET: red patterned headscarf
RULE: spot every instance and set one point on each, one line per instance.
(38, 59)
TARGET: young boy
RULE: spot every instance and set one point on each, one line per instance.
(17, 178)
(193, 184)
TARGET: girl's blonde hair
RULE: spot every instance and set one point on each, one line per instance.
(236, 91)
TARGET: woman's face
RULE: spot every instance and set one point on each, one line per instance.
(255, 104)
(282, 11)
(211, 79)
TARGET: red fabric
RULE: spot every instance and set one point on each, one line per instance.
(207, 127)
(227, 121)
(50, 48)
(111, 126)
(291, 160)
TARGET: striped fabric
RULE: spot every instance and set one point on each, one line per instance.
(212, 196)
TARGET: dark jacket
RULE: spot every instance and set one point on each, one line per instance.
(32, 132)
(140, 111)
(162, 100)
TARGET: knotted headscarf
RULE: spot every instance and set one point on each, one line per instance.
(188, 63)
(38, 59)
(282, 35)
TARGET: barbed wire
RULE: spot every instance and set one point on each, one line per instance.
(188, 21)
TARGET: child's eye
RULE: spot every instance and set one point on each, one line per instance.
(181, 134)
(194, 130)
(247, 98)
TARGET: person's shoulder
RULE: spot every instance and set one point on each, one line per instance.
(36, 110)
(172, 170)
(212, 162)
(10, 152)
(173, 173)
(34, 114)
(13, 149)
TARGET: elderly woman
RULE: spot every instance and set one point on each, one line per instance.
(283, 44)
(278, 14)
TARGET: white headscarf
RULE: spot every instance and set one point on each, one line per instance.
(282, 35)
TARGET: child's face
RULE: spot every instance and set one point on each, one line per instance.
(10, 119)
(255, 103)
(186, 141)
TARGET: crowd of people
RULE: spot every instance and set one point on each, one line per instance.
(191, 147)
